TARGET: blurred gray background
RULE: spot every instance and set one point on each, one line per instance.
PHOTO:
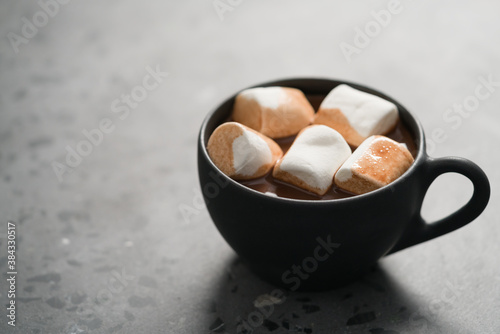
(119, 242)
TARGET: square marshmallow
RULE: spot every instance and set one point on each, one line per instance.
(356, 115)
(242, 153)
(312, 160)
(276, 112)
(377, 162)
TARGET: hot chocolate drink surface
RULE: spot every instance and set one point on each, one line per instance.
(268, 184)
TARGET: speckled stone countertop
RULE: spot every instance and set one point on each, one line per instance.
(114, 239)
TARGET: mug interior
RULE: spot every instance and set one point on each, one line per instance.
(312, 86)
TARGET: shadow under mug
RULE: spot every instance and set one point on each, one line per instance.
(317, 245)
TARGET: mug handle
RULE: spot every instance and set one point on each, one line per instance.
(420, 230)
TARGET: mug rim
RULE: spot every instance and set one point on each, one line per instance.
(419, 141)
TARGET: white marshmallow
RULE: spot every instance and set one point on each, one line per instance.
(250, 152)
(367, 114)
(345, 171)
(268, 97)
(276, 112)
(314, 157)
(242, 153)
(377, 162)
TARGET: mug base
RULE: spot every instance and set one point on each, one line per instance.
(312, 282)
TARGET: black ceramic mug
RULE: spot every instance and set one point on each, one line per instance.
(320, 244)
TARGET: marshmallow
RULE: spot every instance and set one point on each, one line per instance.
(376, 162)
(356, 115)
(312, 160)
(276, 112)
(242, 153)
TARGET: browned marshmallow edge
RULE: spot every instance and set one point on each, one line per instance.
(276, 112)
(377, 162)
(229, 137)
(335, 119)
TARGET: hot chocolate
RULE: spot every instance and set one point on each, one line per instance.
(268, 184)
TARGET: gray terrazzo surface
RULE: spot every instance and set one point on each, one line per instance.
(104, 243)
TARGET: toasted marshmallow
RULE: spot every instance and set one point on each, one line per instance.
(242, 153)
(376, 162)
(276, 112)
(356, 115)
(312, 160)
